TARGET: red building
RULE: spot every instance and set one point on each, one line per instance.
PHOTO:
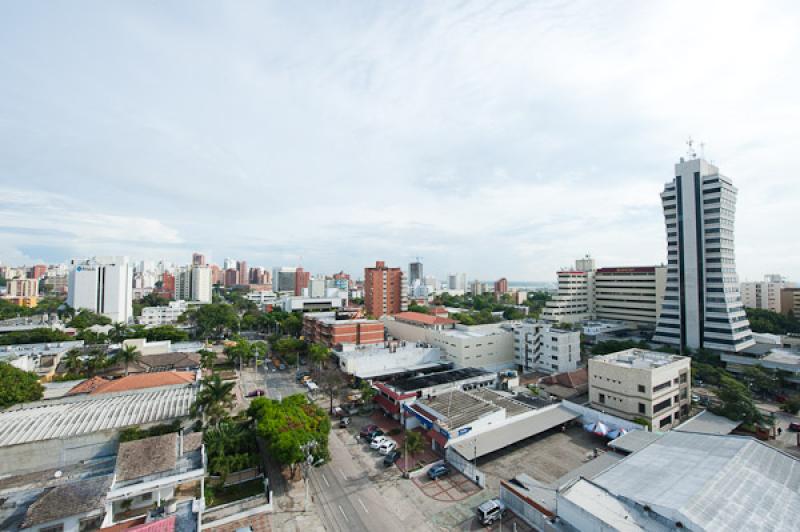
(325, 329)
(37, 272)
(198, 259)
(168, 284)
(243, 273)
(501, 287)
(231, 277)
(217, 275)
(301, 279)
(384, 290)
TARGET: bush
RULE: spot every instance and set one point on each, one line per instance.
(137, 433)
(792, 405)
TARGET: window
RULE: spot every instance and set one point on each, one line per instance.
(661, 386)
(641, 408)
(55, 528)
(90, 524)
(641, 388)
(666, 421)
(683, 378)
(602, 398)
(662, 405)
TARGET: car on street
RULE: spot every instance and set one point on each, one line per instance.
(366, 429)
(438, 471)
(387, 446)
(282, 367)
(391, 458)
(256, 393)
(695, 398)
(344, 422)
(794, 426)
(377, 441)
(490, 511)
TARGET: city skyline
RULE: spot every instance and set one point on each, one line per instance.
(499, 161)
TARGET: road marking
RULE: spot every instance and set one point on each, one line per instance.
(343, 514)
(341, 474)
(362, 505)
(326, 480)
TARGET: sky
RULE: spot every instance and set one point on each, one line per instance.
(493, 138)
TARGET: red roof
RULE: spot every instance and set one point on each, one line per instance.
(393, 394)
(139, 381)
(573, 379)
(162, 525)
(424, 319)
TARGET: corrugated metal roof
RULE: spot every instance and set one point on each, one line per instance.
(709, 423)
(633, 441)
(67, 418)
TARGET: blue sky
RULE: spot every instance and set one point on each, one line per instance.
(494, 138)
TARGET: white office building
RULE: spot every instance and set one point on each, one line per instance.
(764, 294)
(102, 285)
(540, 346)
(574, 301)
(193, 283)
(702, 302)
(156, 316)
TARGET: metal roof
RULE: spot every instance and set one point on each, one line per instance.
(87, 414)
(709, 423)
(709, 482)
(633, 441)
(519, 428)
(433, 379)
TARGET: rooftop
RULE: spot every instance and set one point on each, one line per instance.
(639, 359)
(708, 423)
(476, 331)
(99, 385)
(705, 482)
(75, 498)
(423, 319)
(456, 408)
(433, 379)
(63, 418)
(142, 458)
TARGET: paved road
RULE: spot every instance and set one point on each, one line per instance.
(346, 497)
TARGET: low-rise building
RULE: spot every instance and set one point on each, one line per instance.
(326, 328)
(764, 294)
(310, 304)
(637, 383)
(416, 326)
(382, 361)
(262, 298)
(540, 346)
(156, 316)
(790, 301)
(42, 359)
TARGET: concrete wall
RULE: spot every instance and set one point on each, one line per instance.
(405, 331)
(526, 511)
(465, 466)
(589, 415)
(47, 454)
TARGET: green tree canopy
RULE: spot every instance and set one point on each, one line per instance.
(214, 399)
(737, 403)
(166, 332)
(34, 336)
(767, 321)
(18, 386)
(128, 355)
(213, 320)
(86, 318)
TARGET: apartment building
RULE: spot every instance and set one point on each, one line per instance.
(539, 346)
(638, 383)
(156, 316)
(193, 283)
(103, 285)
(327, 329)
(385, 290)
(22, 288)
(702, 303)
(790, 301)
(764, 294)
(632, 294)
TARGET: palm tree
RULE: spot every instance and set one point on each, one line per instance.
(119, 332)
(128, 355)
(319, 354)
(207, 358)
(73, 362)
(214, 399)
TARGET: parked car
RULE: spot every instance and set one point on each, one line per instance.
(344, 422)
(282, 367)
(377, 441)
(300, 375)
(387, 446)
(440, 470)
(256, 393)
(374, 434)
(794, 426)
(391, 458)
(490, 511)
(695, 398)
(366, 429)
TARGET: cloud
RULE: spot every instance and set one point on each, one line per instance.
(500, 139)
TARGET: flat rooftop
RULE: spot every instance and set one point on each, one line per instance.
(512, 406)
(457, 408)
(639, 359)
(475, 331)
(434, 379)
(64, 418)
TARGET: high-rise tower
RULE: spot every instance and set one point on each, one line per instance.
(702, 303)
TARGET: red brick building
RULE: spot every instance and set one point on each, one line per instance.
(324, 328)
(37, 272)
(384, 290)
(501, 287)
(231, 277)
(168, 284)
(301, 279)
(243, 273)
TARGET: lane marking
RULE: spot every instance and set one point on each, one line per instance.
(326, 480)
(343, 514)
(362, 504)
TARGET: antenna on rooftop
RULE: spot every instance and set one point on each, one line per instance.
(690, 152)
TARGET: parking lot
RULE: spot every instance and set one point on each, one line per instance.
(545, 457)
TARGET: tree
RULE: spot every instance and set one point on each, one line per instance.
(95, 361)
(767, 321)
(288, 347)
(292, 324)
(413, 443)
(213, 320)
(319, 354)
(118, 333)
(736, 402)
(86, 318)
(367, 392)
(331, 383)
(242, 352)
(414, 307)
(207, 358)
(166, 332)
(760, 380)
(792, 405)
(128, 355)
(288, 426)
(34, 336)
(73, 361)
(214, 399)
(18, 386)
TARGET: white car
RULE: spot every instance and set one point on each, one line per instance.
(387, 446)
(377, 441)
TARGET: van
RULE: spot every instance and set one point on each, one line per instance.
(491, 511)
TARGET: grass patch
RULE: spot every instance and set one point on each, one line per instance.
(216, 496)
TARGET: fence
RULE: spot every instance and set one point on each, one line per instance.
(467, 467)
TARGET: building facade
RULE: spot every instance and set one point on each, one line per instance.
(193, 283)
(637, 383)
(574, 301)
(325, 328)
(22, 288)
(764, 294)
(156, 316)
(702, 303)
(631, 294)
(385, 290)
(539, 346)
(102, 285)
